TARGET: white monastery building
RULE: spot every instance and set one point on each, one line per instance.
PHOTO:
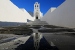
(37, 16)
(37, 13)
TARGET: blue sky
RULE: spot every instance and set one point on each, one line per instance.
(45, 5)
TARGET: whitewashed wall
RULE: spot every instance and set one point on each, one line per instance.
(64, 15)
(11, 13)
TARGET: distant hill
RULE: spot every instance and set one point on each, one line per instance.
(31, 13)
(2, 24)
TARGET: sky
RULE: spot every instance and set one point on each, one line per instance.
(45, 5)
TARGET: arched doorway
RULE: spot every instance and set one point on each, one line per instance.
(36, 17)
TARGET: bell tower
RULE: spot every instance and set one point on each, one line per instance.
(37, 15)
(37, 10)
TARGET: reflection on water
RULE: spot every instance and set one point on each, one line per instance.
(37, 39)
(35, 42)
